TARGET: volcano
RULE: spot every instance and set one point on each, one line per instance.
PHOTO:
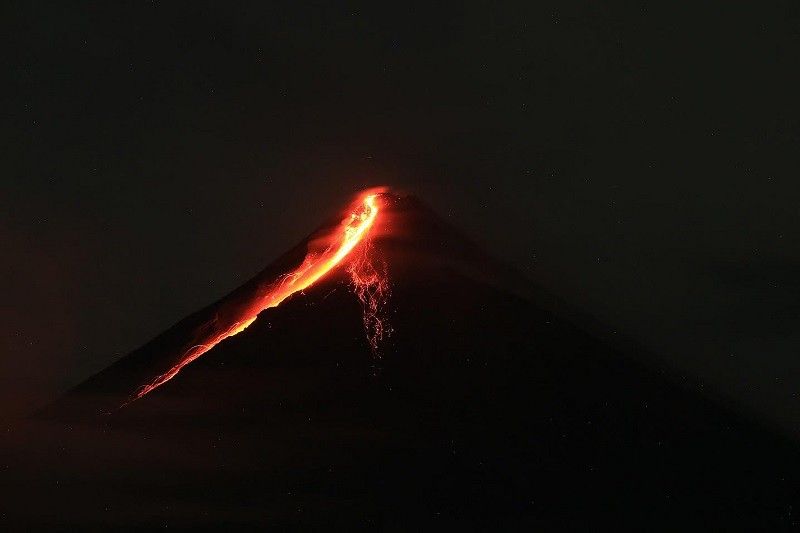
(416, 383)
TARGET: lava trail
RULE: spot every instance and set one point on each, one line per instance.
(368, 283)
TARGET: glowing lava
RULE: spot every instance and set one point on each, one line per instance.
(369, 285)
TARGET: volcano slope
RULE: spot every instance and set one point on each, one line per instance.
(485, 409)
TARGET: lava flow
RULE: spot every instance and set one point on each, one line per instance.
(369, 284)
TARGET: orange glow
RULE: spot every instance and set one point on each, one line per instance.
(351, 231)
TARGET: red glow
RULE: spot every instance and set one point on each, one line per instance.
(369, 284)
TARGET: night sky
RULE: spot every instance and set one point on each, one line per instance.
(640, 162)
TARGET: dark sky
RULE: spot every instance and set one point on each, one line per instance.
(639, 161)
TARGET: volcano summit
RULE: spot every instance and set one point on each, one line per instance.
(387, 374)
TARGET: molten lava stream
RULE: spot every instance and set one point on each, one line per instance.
(353, 229)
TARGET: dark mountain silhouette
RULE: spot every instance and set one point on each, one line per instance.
(486, 410)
